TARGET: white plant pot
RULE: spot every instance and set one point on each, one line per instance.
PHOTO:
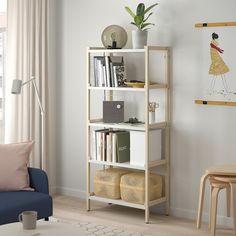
(139, 38)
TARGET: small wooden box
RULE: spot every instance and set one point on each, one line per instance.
(107, 182)
(132, 187)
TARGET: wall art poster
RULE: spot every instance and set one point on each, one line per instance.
(218, 64)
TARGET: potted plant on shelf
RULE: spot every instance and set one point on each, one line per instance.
(139, 36)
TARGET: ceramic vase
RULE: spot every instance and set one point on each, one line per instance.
(139, 39)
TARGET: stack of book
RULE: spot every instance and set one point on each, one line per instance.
(109, 71)
(111, 146)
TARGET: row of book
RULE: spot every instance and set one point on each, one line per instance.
(109, 71)
(111, 146)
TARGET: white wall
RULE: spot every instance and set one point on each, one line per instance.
(201, 135)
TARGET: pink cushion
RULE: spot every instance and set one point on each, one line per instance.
(13, 166)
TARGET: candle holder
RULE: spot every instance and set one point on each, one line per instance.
(152, 111)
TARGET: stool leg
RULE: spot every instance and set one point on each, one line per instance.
(210, 208)
(213, 212)
(201, 198)
(228, 201)
(233, 195)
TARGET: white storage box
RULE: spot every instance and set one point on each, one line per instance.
(137, 147)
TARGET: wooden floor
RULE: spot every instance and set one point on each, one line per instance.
(74, 209)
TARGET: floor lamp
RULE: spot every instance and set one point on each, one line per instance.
(16, 89)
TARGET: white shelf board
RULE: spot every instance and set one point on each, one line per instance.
(127, 126)
(124, 164)
(151, 86)
(128, 165)
(157, 201)
(153, 164)
(117, 89)
(128, 204)
(104, 50)
(117, 202)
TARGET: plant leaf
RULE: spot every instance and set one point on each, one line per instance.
(147, 17)
(140, 9)
(145, 25)
(138, 20)
(130, 11)
(149, 8)
(135, 25)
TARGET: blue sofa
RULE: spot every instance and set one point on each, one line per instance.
(13, 203)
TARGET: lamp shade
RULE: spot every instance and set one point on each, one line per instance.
(16, 86)
(114, 36)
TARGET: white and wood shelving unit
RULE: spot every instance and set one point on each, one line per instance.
(164, 125)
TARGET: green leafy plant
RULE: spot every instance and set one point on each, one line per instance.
(139, 18)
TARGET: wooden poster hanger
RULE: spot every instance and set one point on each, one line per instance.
(216, 24)
(223, 103)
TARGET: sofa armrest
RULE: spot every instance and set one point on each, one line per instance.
(38, 180)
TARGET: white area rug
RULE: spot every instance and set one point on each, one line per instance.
(98, 229)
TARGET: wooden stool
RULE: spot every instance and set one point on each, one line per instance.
(222, 170)
(216, 186)
(232, 182)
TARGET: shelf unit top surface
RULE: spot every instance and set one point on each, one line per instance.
(127, 50)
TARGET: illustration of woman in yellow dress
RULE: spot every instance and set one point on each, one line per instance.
(218, 66)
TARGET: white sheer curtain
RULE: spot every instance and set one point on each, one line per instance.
(26, 57)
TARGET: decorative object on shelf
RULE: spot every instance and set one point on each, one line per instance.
(134, 120)
(113, 111)
(135, 84)
(114, 37)
(152, 112)
(139, 37)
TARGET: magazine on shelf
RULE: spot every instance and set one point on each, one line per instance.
(122, 147)
(99, 76)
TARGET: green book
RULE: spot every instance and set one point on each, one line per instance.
(122, 147)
